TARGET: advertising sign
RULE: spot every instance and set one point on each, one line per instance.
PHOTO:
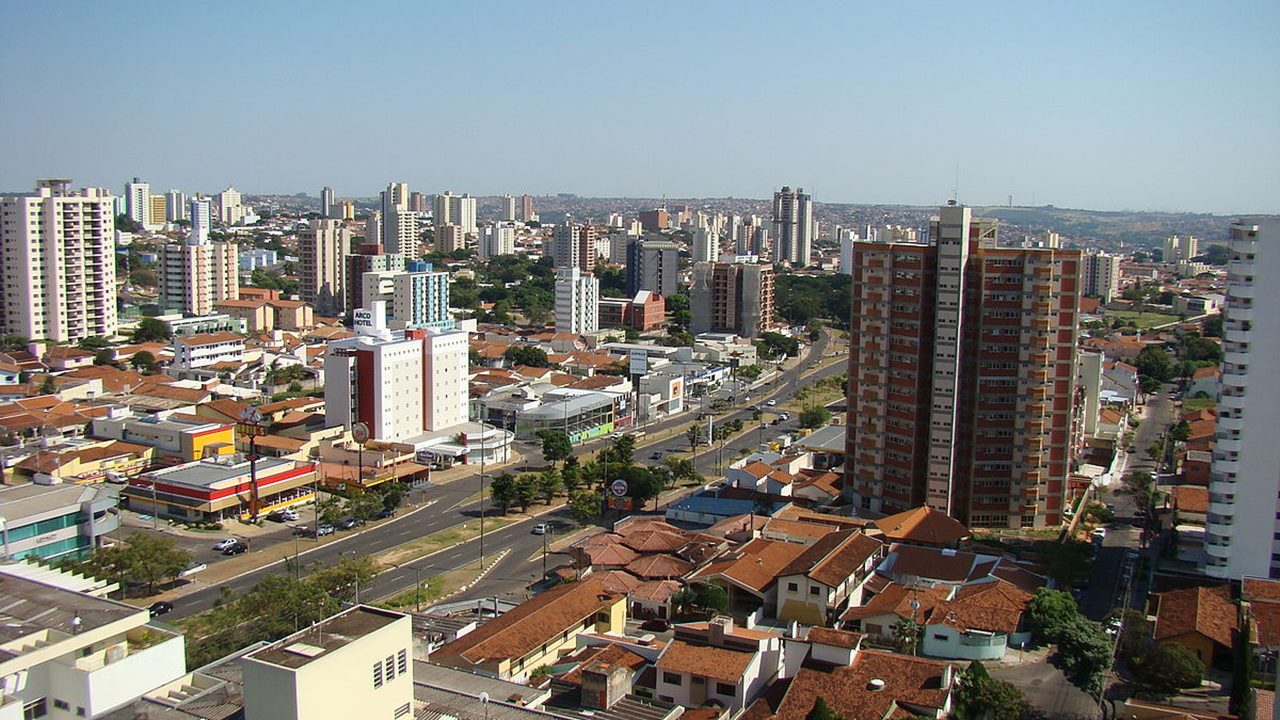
(618, 488)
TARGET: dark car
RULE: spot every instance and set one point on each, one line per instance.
(385, 513)
(160, 608)
(655, 455)
(348, 523)
(235, 549)
(656, 625)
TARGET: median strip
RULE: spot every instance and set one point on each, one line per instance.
(439, 540)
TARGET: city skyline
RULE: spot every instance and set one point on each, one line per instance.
(1141, 107)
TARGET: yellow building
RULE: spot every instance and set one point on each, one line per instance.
(185, 437)
(535, 634)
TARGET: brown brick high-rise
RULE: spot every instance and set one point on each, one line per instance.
(962, 375)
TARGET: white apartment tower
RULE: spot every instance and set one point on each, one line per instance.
(58, 275)
(420, 299)
(230, 209)
(1102, 275)
(201, 222)
(400, 232)
(509, 208)
(322, 251)
(1178, 248)
(446, 364)
(195, 278)
(175, 206)
(577, 301)
(326, 201)
(1243, 509)
(498, 239)
(793, 226)
(137, 201)
(706, 245)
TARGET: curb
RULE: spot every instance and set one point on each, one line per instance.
(502, 555)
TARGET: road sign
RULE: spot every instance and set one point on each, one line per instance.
(618, 488)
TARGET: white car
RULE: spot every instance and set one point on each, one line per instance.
(289, 515)
(771, 403)
(224, 544)
(540, 529)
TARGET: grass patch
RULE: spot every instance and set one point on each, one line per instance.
(1143, 320)
(433, 588)
(439, 540)
(1194, 404)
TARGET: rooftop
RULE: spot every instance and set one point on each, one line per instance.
(324, 637)
(28, 607)
(211, 472)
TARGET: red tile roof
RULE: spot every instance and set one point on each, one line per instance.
(706, 661)
(914, 685)
(923, 525)
(1205, 610)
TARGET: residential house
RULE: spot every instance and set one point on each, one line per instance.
(823, 580)
(1201, 619)
(1190, 505)
(717, 662)
(922, 526)
(1204, 382)
(750, 573)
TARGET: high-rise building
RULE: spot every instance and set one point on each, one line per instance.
(450, 237)
(420, 297)
(368, 258)
(655, 220)
(137, 196)
(1243, 521)
(326, 202)
(577, 301)
(1177, 248)
(792, 227)
(229, 208)
(175, 206)
(201, 221)
(442, 209)
(1102, 275)
(195, 278)
(400, 384)
(322, 253)
(58, 274)
(526, 209)
(508, 208)
(373, 228)
(653, 264)
(962, 373)
(400, 231)
(418, 202)
(156, 212)
(846, 238)
(575, 245)
(732, 298)
(706, 245)
(498, 239)
(463, 213)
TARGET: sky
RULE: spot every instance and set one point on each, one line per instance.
(1100, 105)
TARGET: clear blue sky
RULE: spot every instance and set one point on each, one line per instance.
(1162, 105)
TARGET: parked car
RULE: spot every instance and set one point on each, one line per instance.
(235, 549)
(784, 417)
(320, 531)
(224, 544)
(655, 455)
(385, 513)
(540, 529)
(302, 530)
(347, 523)
(656, 625)
(160, 608)
(287, 515)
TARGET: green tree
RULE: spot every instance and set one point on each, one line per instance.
(143, 277)
(822, 711)
(556, 445)
(526, 355)
(906, 634)
(696, 435)
(93, 343)
(143, 361)
(1049, 611)
(474, 358)
(549, 485)
(1243, 702)
(105, 356)
(1198, 349)
(1084, 653)
(981, 697)
(711, 597)
(12, 343)
(1155, 362)
(125, 223)
(526, 491)
(815, 417)
(393, 494)
(1212, 326)
(584, 506)
(148, 559)
(502, 492)
(330, 510)
(571, 474)
(680, 311)
(151, 330)
(48, 386)
(624, 450)
(343, 577)
(1167, 667)
(1065, 561)
(364, 504)
(683, 470)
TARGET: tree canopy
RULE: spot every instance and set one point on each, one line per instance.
(151, 330)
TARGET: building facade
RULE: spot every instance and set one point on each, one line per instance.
(792, 227)
(369, 258)
(420, 298)
(1102, 276)
(732, 297)
(322, 252)
(962, 375)
(58, 275)
(195, 278)
(577, 301)
(1242, 520)
(653, 264)
(47, 521)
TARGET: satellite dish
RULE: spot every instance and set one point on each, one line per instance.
(483, 697)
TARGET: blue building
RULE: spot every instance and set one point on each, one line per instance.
(48, 521)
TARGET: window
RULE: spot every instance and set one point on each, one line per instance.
(377, 675)
(697, 680)
(36, 709)
(402, 661)
(402, 710)
(391, 668)
(61, 704)
(672, 678)
(792, 587)
(726, 689)
(815, 590)
(940, 637)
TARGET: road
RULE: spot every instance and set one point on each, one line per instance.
(443, 512)
(1105, 592)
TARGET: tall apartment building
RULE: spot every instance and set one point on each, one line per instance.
(526, 209)
(137, 196)
(508, 208)
(156, 213)
(498, 239)
(229, 208)
(1178, 248)
(58, 272)
(655, 220)
(1244, 520)
(792, 226)
(195, 278)
(400, 384)
(393, 229)
(420, 297)
(653, 264)
(577, 301)
(706, 245)
(442, 209)
(1102, 275)
(575, 245)
(175, 206)
(369, 258)
(326, 201)
(400, 231)
(732, 297)
(450, 209)
(450, 237)
(201, 221)
(322, 253)
(418, 202)
(962, 375)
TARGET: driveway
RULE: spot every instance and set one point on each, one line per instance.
(1044, 686)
